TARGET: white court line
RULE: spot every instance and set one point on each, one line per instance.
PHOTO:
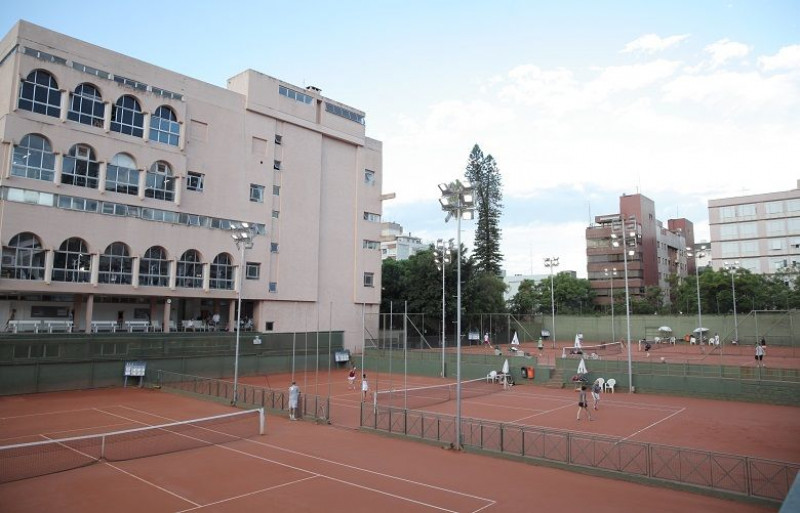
(250, 494)
(653, 424)
(40, 414)
(488, 501)
(161, 488)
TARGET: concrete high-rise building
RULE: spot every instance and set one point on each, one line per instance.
(760, 231)
(654, 252)
(120, 182)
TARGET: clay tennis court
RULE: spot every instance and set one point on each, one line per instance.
(295, 466)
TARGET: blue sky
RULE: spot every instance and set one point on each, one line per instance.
(578, 102)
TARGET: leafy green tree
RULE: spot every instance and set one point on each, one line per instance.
(484, 294)
(527, 299)
(572, 295)
(483, 173)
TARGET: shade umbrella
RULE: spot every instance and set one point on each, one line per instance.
(582, 367)
(701, 330)
(665, 329)
(505, 373)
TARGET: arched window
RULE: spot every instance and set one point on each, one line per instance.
(86, 106)
(127, 117)
(122, 175)
(80, 167)
(190, 270)
(72, 261)
(33, 158)
(23, 258)
(39, 93)
(222, 272)
(116, 265)
(164, 126)
(160, 184)
(154, 268)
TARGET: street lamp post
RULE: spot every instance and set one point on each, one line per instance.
(458, 200)
(552, 262)
(732, 266)
(611, 274)
(444, 250)
(243, 234)
(698, 253)
(627, 228)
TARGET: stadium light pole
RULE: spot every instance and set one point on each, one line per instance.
(443, 258)
(552, 262)
(458, 200)
(612, 273)
(243, 234)
(697, 254)
(732, 267)
(626, 228)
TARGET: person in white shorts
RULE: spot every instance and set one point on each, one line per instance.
(596, 389)
(364, 386)
(294, 395)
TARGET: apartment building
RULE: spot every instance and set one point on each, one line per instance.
(121, 182)
(395, 245)
(634, 236)
(760, 231)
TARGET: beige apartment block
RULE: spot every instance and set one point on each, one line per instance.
(758, 232)
(120, 183)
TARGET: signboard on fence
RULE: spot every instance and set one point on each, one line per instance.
(135, 369)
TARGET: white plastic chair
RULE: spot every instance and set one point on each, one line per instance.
(610, 384)
(492, 377)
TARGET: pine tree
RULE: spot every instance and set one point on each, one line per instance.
(482, 172)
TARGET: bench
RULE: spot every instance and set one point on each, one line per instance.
(137, 326)
(98, 326)
(65, 326)
(193, 325)
(18, 326)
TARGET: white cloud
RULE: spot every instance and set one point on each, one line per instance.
(724, 50)
(652, 43)
(733, 93)
(787, 58)
(629, 78)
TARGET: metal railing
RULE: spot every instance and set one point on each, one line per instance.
(656, 463)
(309, 405)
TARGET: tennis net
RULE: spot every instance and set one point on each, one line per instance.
(419, 397)
(593, 352)
(22, 461)
(655, 345)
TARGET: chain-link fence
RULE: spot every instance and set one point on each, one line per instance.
(308, 406)
(655, 463)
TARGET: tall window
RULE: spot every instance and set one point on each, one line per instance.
(160, 183)
(116, 265)
(72, 261)
(127, 117)
(80, 167)
(122, 175)
(222, 272)
(190, 270)
(23, 258)
(369, 177)
(154, 268)
(39, 93)
(164, 126)
(86, 106)
(33, 158)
